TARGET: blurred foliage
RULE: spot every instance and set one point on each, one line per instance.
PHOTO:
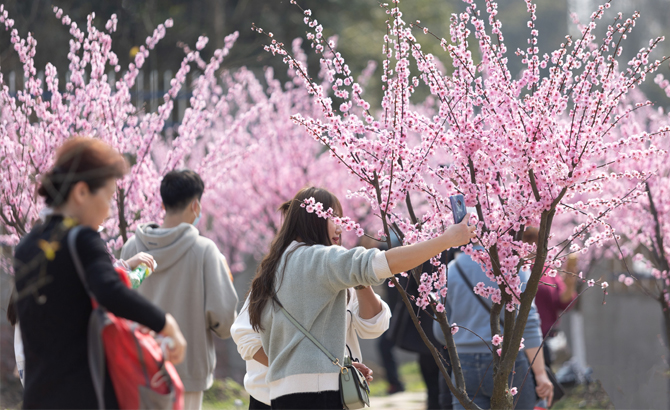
(409, 374)
(359, 24)
(225, 394)
(585, 396)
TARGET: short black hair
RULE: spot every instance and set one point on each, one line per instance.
(179, 188)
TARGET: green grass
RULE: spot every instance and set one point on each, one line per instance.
(588, 397)
(226, 394)
(409, 374)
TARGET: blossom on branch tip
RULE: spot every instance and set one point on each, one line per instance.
(496, 340)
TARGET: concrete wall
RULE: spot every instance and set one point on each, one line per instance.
(624, 342)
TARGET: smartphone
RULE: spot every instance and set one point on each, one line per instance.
(458, 207)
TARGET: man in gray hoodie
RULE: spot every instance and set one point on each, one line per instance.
(192, 280)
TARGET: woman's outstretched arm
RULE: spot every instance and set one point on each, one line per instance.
(404, 258)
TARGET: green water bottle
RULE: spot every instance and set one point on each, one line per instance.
(138, 275)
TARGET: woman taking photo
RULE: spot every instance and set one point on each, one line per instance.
(367, 317)
(308, 276)
(53, 305)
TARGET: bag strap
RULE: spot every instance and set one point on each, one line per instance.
(72, 246)
(351, 355)
(333, 360)
(96, 351)
(479, 298)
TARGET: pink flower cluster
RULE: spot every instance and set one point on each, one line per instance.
(520, 148)
(236, 132)
(347, 224)
(268, 158)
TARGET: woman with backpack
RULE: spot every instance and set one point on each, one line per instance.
(307, 274)
(53, 305)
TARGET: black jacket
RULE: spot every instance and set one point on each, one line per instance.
(54, 310)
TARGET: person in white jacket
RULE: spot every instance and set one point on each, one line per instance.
(367, 318)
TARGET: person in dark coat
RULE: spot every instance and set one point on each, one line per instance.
(403, 333)
(53, 306)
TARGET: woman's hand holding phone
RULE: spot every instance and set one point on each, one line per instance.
(459, 234)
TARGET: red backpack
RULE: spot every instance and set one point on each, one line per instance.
(141, 376)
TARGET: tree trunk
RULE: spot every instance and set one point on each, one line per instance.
(501, 398)
(121, 205)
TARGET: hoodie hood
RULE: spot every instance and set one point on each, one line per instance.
(166, 245)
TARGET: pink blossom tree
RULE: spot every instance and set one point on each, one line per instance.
(643, 225)
(253, 157)
(89, 104)
(521, 150)
(237, 133)
(279, 159)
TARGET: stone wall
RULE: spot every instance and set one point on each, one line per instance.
(624, 342)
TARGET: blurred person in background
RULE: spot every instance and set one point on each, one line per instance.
(18, 342)
(475, 350)
(385, 343)
(404, 334)
(554, 294)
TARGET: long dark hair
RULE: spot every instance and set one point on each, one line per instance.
(298, 224)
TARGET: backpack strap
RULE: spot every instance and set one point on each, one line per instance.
(72, 247)
(479, 298)
(96, 351)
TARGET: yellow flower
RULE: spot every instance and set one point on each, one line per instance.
(69, 222)
(49, 248)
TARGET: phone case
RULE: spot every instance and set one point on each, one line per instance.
(458, 207)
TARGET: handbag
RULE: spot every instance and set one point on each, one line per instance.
(559, 392)
(141, 377)
(354, 389)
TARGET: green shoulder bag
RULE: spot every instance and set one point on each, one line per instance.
(354, 389)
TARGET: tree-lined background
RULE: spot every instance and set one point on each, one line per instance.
(358, 23)
(238, 131)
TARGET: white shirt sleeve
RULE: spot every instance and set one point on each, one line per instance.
(381, 266)
(373, 327)
(247, 339)
(18, 353)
